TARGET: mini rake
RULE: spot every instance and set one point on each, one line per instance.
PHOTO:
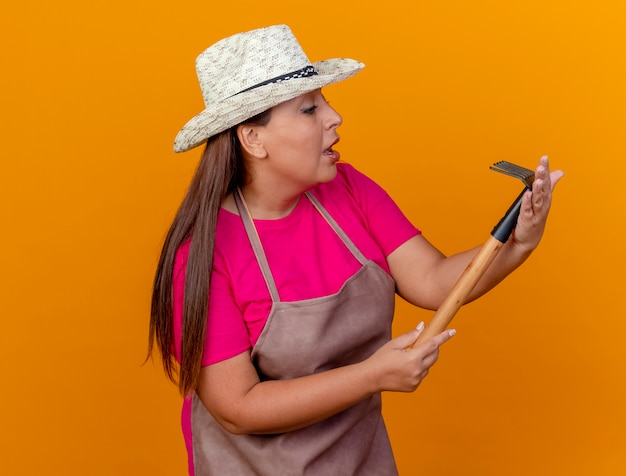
(486, 254)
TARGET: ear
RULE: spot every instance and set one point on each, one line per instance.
(250, 141)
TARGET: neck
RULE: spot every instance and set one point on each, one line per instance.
(269, 204)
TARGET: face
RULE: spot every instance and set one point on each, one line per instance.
(298, 141)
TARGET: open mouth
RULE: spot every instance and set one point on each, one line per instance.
(332, 155)
(330, 152)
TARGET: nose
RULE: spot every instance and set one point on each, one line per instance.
(334, 119)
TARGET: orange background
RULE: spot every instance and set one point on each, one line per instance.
(92, 94)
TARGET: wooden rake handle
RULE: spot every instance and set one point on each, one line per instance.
(457, 297)
(472, 273)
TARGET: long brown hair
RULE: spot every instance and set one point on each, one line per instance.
(221, 170)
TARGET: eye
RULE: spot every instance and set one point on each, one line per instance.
(309, 110)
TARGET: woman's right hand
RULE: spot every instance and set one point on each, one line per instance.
(232, 392)
(397, 369)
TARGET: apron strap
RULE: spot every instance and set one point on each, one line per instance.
(335, 226)
(257, 247)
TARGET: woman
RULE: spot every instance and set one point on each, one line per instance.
(274, 293)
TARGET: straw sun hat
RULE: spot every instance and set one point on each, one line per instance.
(248, 73)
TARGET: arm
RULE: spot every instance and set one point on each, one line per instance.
(232, 392)
(425, 276)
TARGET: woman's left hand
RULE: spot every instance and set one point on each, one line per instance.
(424, 276)
(535, 207)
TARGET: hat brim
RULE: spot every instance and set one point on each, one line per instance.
(236, 109)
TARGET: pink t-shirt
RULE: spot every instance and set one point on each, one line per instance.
(306, 257)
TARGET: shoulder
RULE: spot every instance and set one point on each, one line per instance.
(231, 242)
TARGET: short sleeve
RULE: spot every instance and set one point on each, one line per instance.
(226, 334)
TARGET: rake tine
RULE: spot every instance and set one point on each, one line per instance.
(511, 173)
(522, 177)
(507, 168)
(513, 168)
(510, 165)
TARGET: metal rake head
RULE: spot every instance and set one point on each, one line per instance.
(507, 168)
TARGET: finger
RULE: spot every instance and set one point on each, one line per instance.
(555, 177)
(444, 336)
(409, 338)
(527, 206)
(431, 346)
(543, 173)
(538, 194)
